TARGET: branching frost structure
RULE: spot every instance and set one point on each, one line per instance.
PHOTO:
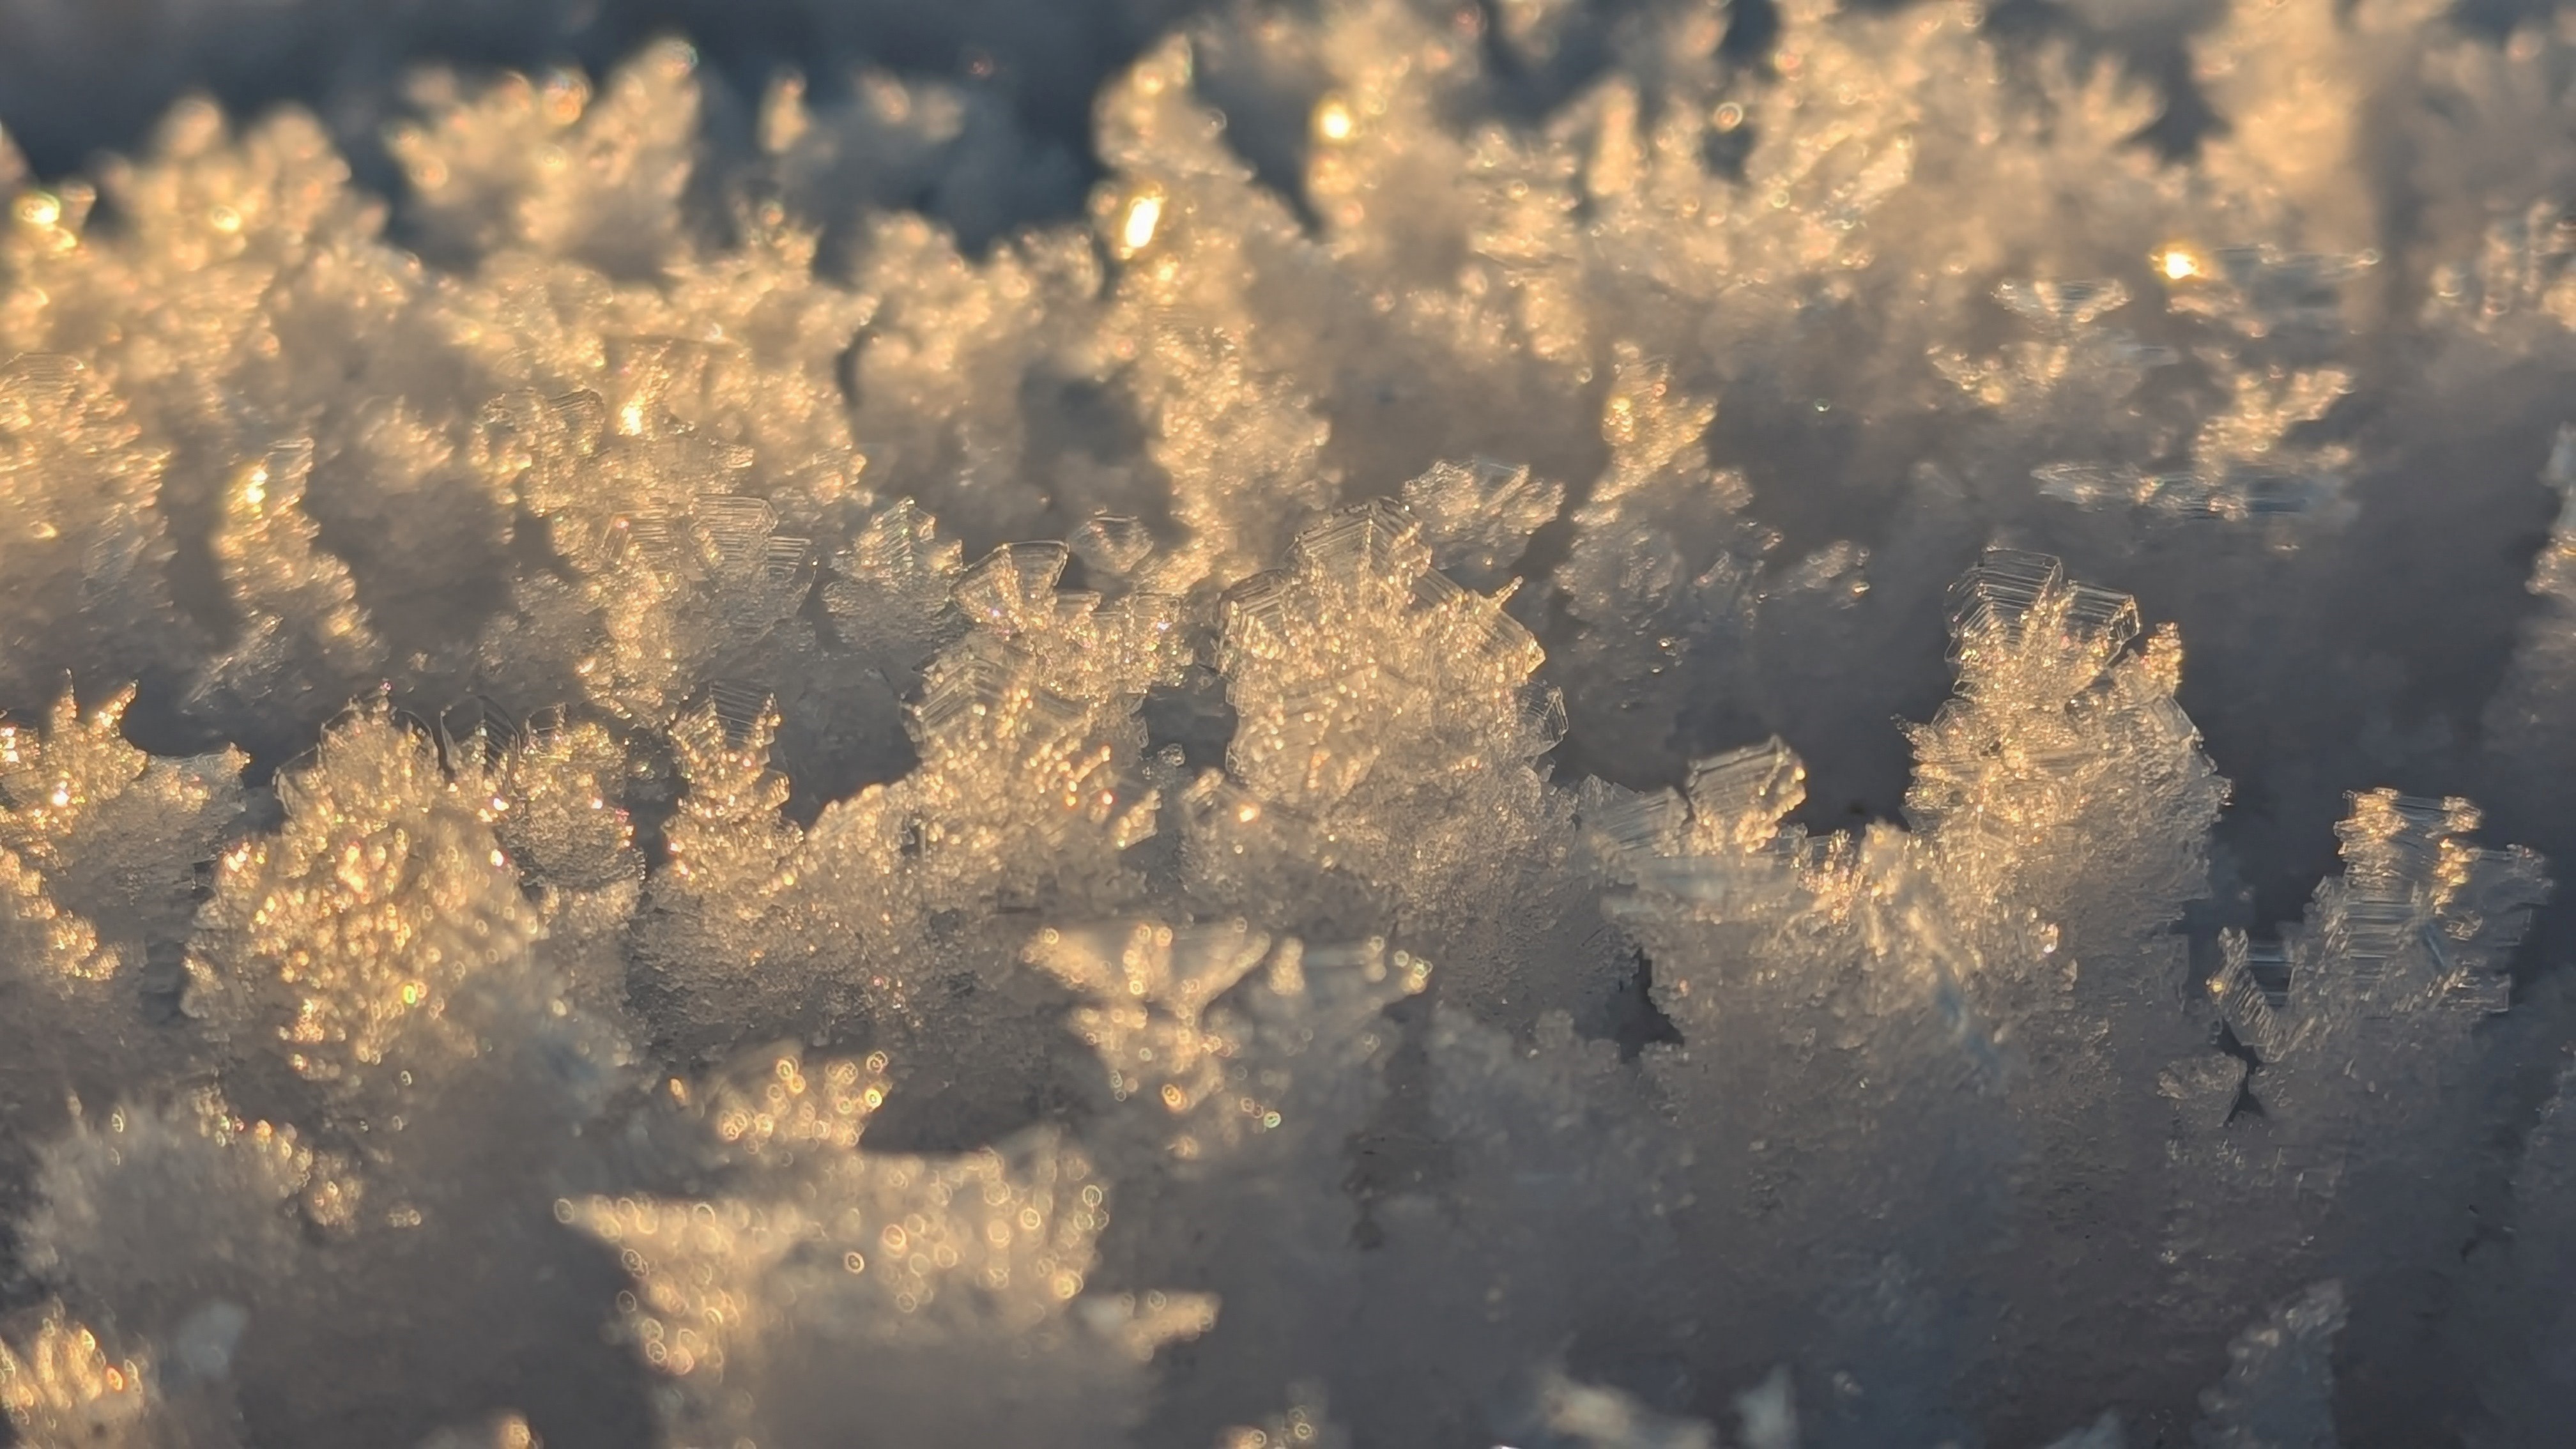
(711, 780)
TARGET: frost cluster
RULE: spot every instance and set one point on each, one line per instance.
(1501, 755)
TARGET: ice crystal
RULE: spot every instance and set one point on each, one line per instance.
(1155, 985)
(1575, 1414)
(506, 1431)
(1301, 1425)
(549, 167)
(301, 633)
(65, 1387)
(193, 1175)
(98, 849)
(89, 547)
(1368, 687)
(2053, 722)
(1241, 791)
(384, 895)
(2420, 921)
(2278, 1380)
(891, 1265)
(2365, 1019)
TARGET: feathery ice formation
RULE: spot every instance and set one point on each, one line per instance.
(650, 803)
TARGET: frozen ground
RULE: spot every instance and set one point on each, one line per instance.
(1355, 722)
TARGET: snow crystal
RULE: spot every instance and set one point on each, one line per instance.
(1485, 739)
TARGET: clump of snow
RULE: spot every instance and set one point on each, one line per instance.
(1558, 725)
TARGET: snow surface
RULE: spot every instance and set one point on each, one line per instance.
(1520, 723)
